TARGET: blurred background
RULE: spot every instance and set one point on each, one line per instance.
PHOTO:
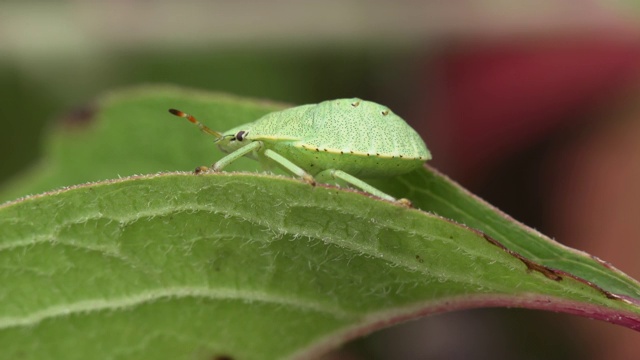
(533, 105)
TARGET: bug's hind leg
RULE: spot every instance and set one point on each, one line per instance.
(287, 164)
(339, 174)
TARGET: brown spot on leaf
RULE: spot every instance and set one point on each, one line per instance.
(531, 266)
(80, 116)
(552, 274)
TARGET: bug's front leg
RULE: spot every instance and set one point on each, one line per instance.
(201, 169)
(235, 155)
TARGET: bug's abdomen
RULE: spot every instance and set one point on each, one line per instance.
(315, 160)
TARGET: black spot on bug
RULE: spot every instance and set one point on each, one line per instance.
(377, 154)
(317, 149)
(400, 156)
(355, 104)
(341, 152)
(385, 113)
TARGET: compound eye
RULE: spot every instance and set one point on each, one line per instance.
(241, 135)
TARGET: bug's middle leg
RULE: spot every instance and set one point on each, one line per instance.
(287, 164)
(339, 174)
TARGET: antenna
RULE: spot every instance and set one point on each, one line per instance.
(193, 120)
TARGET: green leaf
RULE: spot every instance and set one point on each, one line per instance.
(251, 266)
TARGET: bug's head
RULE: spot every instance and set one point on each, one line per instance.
(234, 139)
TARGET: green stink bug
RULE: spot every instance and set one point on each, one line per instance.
(340, 139)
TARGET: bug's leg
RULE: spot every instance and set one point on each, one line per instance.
(220, 164)
(287, 164)
(339, 174)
